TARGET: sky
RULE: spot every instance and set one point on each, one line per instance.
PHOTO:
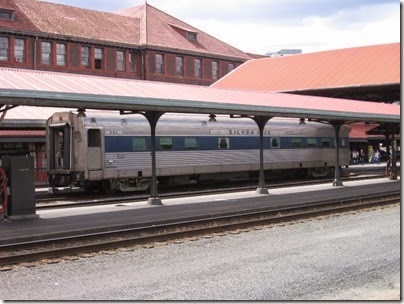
(262, 26)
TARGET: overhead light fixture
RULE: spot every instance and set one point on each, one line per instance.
(212, 118)
(302, 121)
(81, 112)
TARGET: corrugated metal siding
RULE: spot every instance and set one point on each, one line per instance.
(195, 162)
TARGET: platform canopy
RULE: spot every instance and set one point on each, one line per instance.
(361, 73)
(52, 89)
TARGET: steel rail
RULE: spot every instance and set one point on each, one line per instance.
(35, 250)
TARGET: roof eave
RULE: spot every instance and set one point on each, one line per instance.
(196, 53)
(70, 38)
(340, 87)
(108, 102)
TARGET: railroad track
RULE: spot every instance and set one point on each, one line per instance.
(90, 244)
(66, 202)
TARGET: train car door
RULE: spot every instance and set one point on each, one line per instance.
(60, 146)
(94, 155)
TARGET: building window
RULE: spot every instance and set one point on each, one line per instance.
(4, 46)
(19, 50)
(214, 70)
(60, 54)
(198, 68)
(46, 53)
(191, 36)
(6, 15)
(159, 64)
(85, 56)
(98, 56)
(120, 61)
(231, 67)
(179, 66)
(132, 62)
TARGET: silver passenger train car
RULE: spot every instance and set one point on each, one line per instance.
(105, 150)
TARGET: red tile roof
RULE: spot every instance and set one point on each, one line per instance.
(139, 25)
(64, 20)
(360, 66)
(32, 113)
(159, 29)
(358, 130)
(22, 133)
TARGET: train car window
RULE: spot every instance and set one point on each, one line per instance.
(296, 142)
(94, 138)
(191, 143)
(343, 143)
(166, 143)
(139, 143)
(311, 143)
(224, 143)
(275, 142)
(325, 143)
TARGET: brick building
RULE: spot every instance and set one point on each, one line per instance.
(139, 42)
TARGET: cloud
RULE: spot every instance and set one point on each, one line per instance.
(366, 25)
(260, 26)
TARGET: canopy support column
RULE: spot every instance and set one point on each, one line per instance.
(261, 121)
(392, 159)
(393, 130)
(337, 180)
(336, 124)
(152, 117)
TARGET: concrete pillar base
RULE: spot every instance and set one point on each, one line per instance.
(262, 191)
(337, 183)
(154, 201)
(22, 217)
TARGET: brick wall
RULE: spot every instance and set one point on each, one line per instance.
(109, 65)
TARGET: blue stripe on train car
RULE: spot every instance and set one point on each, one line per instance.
(120, 144)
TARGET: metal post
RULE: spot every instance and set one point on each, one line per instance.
(337, 180)
(388, 152)
(393, 165)
(153, 118)
(261, 121)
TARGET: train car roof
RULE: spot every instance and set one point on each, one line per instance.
(113, 118)
(52, 89)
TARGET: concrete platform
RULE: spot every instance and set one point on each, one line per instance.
(75, 221)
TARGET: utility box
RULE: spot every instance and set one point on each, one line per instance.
(20, 175)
